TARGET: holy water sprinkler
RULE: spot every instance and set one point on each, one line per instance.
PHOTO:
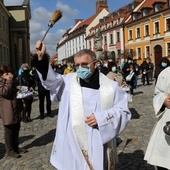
(57, 14)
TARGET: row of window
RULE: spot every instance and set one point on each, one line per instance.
(146, 29)
(3, 23)
(4, 53)
(146, 54)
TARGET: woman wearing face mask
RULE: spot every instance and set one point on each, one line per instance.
(114, 74)
(164, 63)
(25, 79)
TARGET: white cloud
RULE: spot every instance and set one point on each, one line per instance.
(39, 23)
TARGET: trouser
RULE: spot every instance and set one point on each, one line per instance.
(27, 107)
(42, 95)
(135, 81)
(145, 76)
(11, 136)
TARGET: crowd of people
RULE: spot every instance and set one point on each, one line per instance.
(93, 99)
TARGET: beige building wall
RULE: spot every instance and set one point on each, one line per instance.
(4, 35)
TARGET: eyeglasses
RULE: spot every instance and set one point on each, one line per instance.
(84, 65)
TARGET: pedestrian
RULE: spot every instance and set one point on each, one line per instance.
(59, 69)
(42, 95)
(10, 110)
(93, 110)
(27, 80)
(151, 68)
(136, 71)
(164, 63)
(114, 74)
(158, 150)
(145, 72)
(69, 69)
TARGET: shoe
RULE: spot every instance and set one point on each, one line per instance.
(50, 115)
(14, 154)
(22, 150)
(29, 119)
(41, 117)
(25, 121)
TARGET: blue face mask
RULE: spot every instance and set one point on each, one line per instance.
(84, 73)
(129, 61)
(163, 64)
(113, 69)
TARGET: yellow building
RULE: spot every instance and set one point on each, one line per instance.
(147, 31)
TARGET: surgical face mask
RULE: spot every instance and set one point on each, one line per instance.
(84, 73)
(113, 69)
(163, 64)
(129, 61)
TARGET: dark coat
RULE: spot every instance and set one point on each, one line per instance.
(10, 106)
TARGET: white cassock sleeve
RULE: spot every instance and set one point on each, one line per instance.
(111, 122)
(162, 90)
(54, 82)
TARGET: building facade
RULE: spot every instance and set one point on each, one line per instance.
(15, 29)
(147, 31)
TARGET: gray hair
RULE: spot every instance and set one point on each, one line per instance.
(86, 51)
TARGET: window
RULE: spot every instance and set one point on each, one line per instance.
(138, 33)
(147, 51)
(130, 34)
(3, 21)
(1, 55)
(0, 19)
(6, 26)
(90, 44)
(145, 12)
(111, 38)
(168, 48)
(131, 52)
(105, 40)
(146, 30)
(139, 52)
(156, 27)
(119, 53)
(118, 36)
(168, 24)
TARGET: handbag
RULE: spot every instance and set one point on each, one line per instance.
(129, 77)
(166, 128)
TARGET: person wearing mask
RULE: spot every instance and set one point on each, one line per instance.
(164, 63)
(101, 68)
(145, 72)
(92, 110)
(114, 74)
(25, 79)
(151, 68)
(158, 149)
(136, 71)
(126, 67)
(10, 111)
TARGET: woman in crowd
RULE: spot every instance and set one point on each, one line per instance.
(114, 74)
(25, 79)
(164, 62)
(10, 110)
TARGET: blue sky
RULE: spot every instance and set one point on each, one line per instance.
(41, 11)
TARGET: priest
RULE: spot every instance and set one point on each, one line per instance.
(93, 110)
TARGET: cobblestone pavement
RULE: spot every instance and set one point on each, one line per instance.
(38, 137)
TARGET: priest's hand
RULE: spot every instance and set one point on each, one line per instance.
(40, 49)
(167, 102)
(91, 120)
